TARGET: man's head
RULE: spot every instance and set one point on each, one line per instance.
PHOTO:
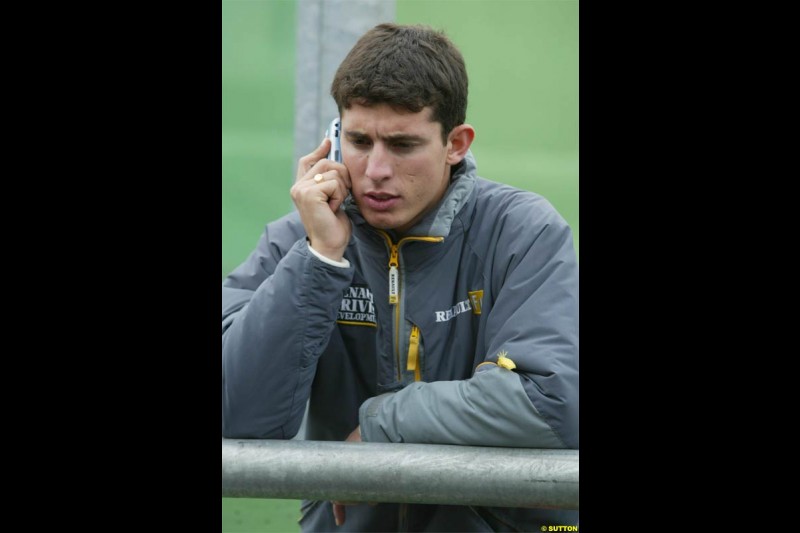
(408, 68)
(402, 95)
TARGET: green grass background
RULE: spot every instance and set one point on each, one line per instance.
(522, 61)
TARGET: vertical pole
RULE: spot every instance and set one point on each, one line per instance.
(326, 31)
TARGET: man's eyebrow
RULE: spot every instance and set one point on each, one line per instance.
(397, 137)
(405, 137)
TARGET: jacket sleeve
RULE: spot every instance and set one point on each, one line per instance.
(278, 311)
(533, 321)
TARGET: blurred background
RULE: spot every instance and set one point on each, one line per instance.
(522, 62)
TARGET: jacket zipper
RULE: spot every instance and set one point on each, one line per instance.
(413, 354)
(395, 285)
(394, 262)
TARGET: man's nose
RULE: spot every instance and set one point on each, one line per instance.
(379, 165)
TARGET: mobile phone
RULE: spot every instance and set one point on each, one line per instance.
(334, 133)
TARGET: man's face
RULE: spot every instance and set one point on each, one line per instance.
(397, 164)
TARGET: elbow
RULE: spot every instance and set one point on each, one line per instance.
(557, 409)
(241, 421)
(234, 427)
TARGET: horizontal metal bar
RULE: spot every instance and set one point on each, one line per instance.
(400, 473)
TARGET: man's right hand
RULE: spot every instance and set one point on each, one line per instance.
(318, 200)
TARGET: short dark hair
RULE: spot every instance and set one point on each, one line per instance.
(406, 67)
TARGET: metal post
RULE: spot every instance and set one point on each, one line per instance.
(326, 31)
(401, 473)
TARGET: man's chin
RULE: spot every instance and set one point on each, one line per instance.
(380, 224)
(380, 220)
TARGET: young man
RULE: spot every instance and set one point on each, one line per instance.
(408, 299)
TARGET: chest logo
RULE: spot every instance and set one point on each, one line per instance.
(473, 303)
(357, 307)
(476, 298)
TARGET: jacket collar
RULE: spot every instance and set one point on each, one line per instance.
(439, 221)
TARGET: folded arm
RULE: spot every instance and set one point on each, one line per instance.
(533, 322)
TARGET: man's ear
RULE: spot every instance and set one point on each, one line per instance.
(459, 141)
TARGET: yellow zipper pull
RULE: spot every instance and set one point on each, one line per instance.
(413, 353)
(393, 277)
(504, 361)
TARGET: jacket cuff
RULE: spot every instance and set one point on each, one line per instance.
(369, 421)
(344, 263)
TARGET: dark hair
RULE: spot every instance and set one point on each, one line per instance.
(406, 67)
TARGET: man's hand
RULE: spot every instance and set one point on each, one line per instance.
(338, 507)
(320, 188)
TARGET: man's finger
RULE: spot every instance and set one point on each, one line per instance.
(321, 151)
(309, 160)
(338, 513)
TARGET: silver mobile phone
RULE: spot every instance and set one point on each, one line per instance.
(334, 133)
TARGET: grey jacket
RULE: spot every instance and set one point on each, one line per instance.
(480, 347)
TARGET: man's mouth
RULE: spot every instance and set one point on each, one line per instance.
(380, 201)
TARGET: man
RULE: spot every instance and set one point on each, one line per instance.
(408, 299)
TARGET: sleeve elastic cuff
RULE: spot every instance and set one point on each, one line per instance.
(344, 263)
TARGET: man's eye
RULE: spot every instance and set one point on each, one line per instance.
(403, 145)
(360, 142)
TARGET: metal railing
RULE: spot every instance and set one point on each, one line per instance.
(400, 473)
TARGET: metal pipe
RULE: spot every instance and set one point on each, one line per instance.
(400, 473)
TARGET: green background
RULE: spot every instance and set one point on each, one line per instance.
(522, 61)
